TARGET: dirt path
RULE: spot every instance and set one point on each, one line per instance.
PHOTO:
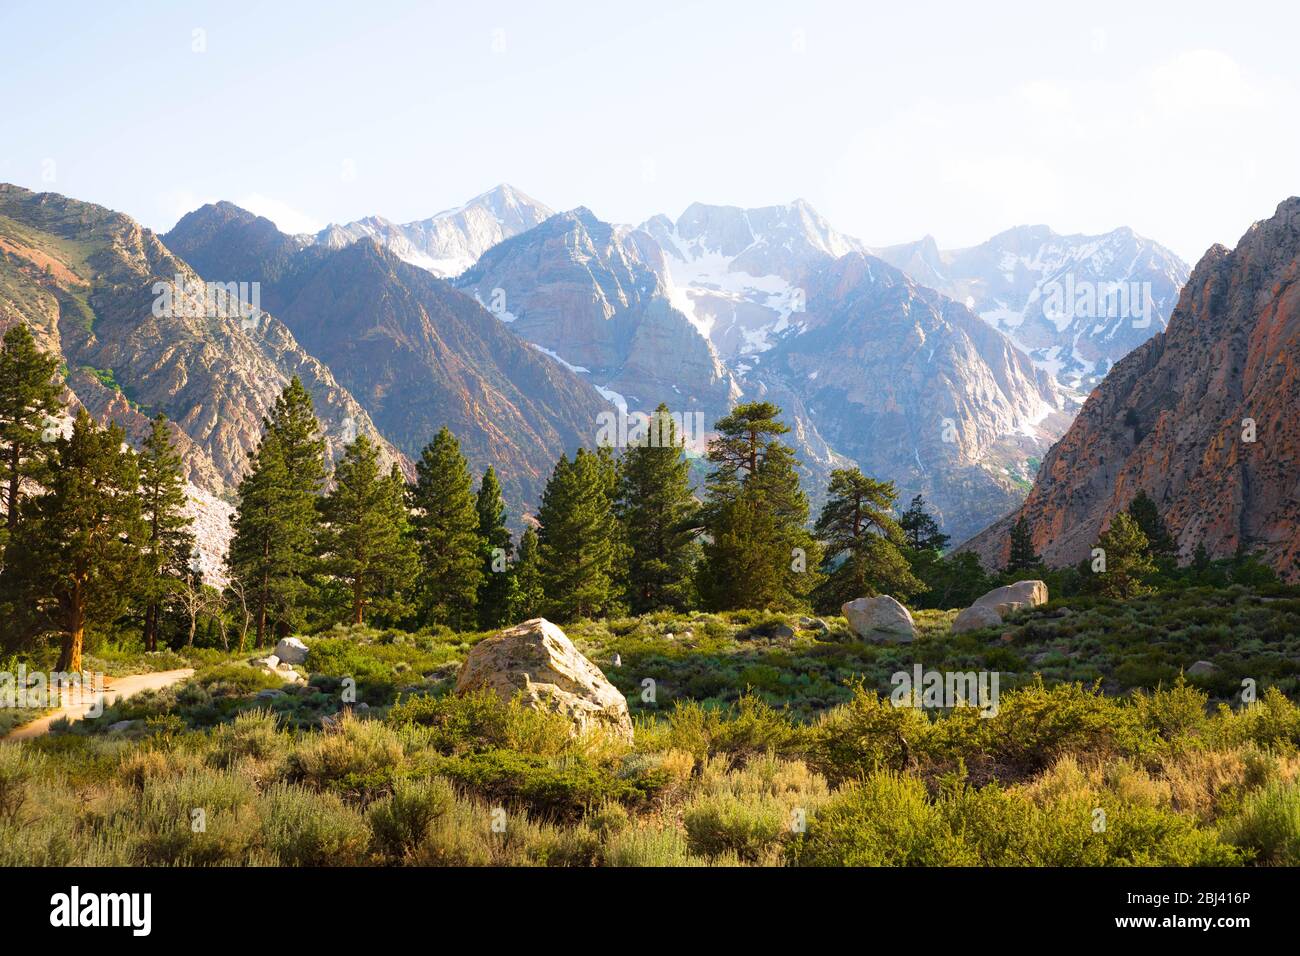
(115, 689)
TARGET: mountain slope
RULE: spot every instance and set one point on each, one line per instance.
(916, 389)
(1076, 304)
(593, 295)
(417, 353)
(87, 280)
(450, 242)
(1173, 419)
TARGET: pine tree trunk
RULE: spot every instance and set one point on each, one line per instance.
(73, 638)
(151, 627)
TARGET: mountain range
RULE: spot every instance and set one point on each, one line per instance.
(950, 373)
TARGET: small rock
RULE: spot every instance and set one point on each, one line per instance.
(1007, 637)
(291, 650)
(1202, 669)
(880, 618)
(121, 725)
(269, 693)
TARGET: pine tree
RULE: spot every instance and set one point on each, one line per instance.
(757, 551)
(29, 398)
(578, 540)
(77, 548)
(1128, 559)
(1144, 511)
(366, 540)
(495, 593)
(169, 546)
(863, 542)
(276, 524)
(528, 595)
(446, 528)
(920, 530)
(656, 509)
(1022, 556)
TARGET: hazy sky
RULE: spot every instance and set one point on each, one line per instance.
(894, 120)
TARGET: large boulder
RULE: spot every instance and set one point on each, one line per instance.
(975, 617)
(290, 650)
(1012, 597)
(879, 619)
(537, 659)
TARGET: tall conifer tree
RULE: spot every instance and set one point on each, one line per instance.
(29, 398)
(446, 524)
(277, 523)
(169, 545)
(495, 593)
(578, 541)
(366, 539)
(76, 550)
(656, 508)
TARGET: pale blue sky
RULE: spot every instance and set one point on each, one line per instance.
(894, 120)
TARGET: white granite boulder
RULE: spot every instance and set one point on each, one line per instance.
(879, 619)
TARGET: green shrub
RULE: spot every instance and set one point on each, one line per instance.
(304, 828)
(748, 826)
(402, 821)
(1269, 824)
(885, 820)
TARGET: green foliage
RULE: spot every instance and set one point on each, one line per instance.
(757, 551)
(657, 511)
(1128, 560)
(273, 552)
(447, 528)
(578, 544)
(1022, 556)
(496, 593)
(168, 548)
(920, 530)
(863, 542)
(74, 554)
(366, 539)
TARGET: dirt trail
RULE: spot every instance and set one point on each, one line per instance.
(115, 689)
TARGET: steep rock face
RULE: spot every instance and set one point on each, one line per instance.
(916, 389)
(1076, 304)
(419, 355)
(1168, 419)
(86, 279)
(592, 295)
(450, 242)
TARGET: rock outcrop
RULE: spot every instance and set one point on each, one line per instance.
(1202, 418)
(879, 619)
(536, 659)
